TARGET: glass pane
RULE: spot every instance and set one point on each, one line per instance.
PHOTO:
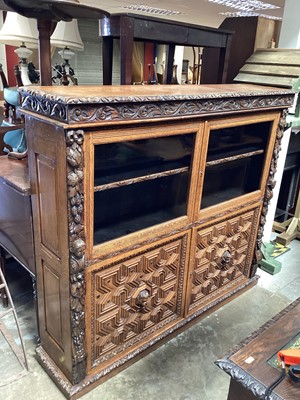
(235, 161)
(224, 182)
(140, 183)
(228, 142)
(126, 160)
(123, 210)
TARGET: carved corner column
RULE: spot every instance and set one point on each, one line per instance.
(74, 140)
(268, 191)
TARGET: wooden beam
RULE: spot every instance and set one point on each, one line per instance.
(44, 28)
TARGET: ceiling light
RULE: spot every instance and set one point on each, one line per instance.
(249, 14)
(150, 10)
(250, 5)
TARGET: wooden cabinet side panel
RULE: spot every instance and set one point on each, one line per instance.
(51, 284)
(47, 203)
(47, 168)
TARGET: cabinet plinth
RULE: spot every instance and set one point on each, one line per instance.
(148, 211)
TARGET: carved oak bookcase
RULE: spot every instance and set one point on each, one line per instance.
(148, 207)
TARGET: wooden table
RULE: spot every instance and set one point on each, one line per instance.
(249, 380)
(130, 27)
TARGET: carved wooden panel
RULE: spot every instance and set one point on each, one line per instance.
(53, 317)
(222, 256)
(48, 207)
(134, 297)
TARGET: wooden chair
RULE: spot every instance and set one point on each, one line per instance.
(12, 129)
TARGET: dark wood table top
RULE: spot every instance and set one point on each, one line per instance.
(15, 173)
(248, 363)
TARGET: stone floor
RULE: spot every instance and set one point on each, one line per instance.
(182, 369)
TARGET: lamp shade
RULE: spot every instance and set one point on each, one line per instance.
(66, 34)
(17, 29)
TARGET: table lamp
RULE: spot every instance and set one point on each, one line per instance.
(22, 32)
(67, 37)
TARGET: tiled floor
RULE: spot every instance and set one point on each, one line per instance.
(183, 368)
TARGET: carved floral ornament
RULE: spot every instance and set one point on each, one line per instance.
(98, 109)
(74, 155)
(269, 190)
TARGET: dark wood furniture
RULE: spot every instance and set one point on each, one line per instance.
(250, 378)
(132, 27)
(289, 188)
(16, 235)
(16, 231)
(148, 209)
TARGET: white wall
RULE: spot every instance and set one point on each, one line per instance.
(290, 29)
(289, 38)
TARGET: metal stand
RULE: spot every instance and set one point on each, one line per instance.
(19, 353)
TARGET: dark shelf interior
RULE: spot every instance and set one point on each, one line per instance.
(238, 140)
(223, 182)
(126, 160)
(109, 232)
(123, 210)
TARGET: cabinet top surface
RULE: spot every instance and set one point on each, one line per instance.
(83, 105)
(138, 93)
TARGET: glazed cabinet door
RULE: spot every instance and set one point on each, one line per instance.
(221, 255)
(235, 161)
(142, 183)
(133, 299)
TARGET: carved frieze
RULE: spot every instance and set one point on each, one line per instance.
(138, 111)
(45, 106)
(74, 141)
(100, 109)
